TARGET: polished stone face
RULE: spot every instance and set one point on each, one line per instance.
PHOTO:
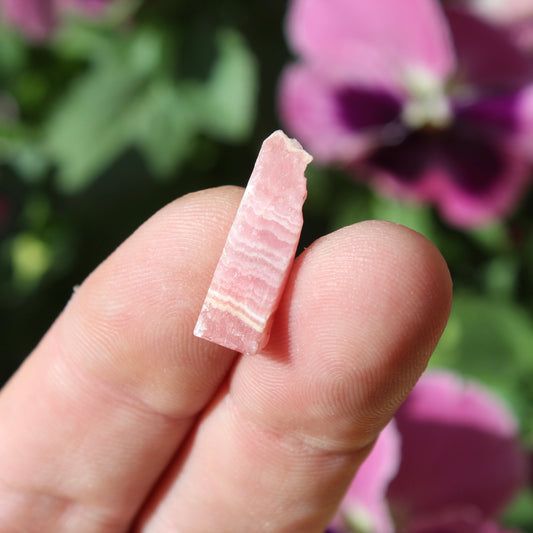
(251, 274)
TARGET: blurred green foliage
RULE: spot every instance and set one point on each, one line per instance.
(112, 119)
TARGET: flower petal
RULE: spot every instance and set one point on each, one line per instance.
(458, 448)
(508, 115)
(362, 108)
(35, 18)
(375, 42)
(522, 134)
(502, 11)
(515, 15)
(498, 114)
(327, 119)
(485, 176)
(365, 502)
(472, 178)
(487, 57)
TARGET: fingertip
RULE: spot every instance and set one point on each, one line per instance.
(383, 293)
(378, 272)
(406, 256)
(362, 312)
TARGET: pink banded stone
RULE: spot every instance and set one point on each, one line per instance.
(252, 271)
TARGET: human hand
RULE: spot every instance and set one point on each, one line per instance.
(121, 420)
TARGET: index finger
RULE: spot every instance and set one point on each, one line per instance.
(94, 415)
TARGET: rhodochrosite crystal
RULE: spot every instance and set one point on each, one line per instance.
(250, 276)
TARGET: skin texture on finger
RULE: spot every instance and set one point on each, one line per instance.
(96, 413)
(275, 451)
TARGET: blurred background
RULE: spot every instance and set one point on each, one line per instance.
(110, 110)
(109, 118)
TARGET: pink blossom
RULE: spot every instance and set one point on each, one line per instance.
(431, 103)
(38, 18)
(365, 502)
(449, 461)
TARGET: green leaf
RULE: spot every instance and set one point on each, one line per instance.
(319, 189)
(91, 126)
(501, 275)
(493, 237)
(165, 126)
(414, 216)
(81, 40)
(491, 340)
(520, 513)
(31, 258)
(350, 207)
(19, 147)
(484, 334)
(129, 98)
(80, 36)
(97, 118)
(226, 104)
(12, 52)
(13, 137)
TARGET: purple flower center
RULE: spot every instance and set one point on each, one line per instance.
(360, 108)
(498, 113)
(468, 149)
(471, 159)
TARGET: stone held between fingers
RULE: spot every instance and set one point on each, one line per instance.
(258, 254)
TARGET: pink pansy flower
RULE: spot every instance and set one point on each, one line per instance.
(433, 103)
(449, 461)
(365, 507)
(38, 18)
